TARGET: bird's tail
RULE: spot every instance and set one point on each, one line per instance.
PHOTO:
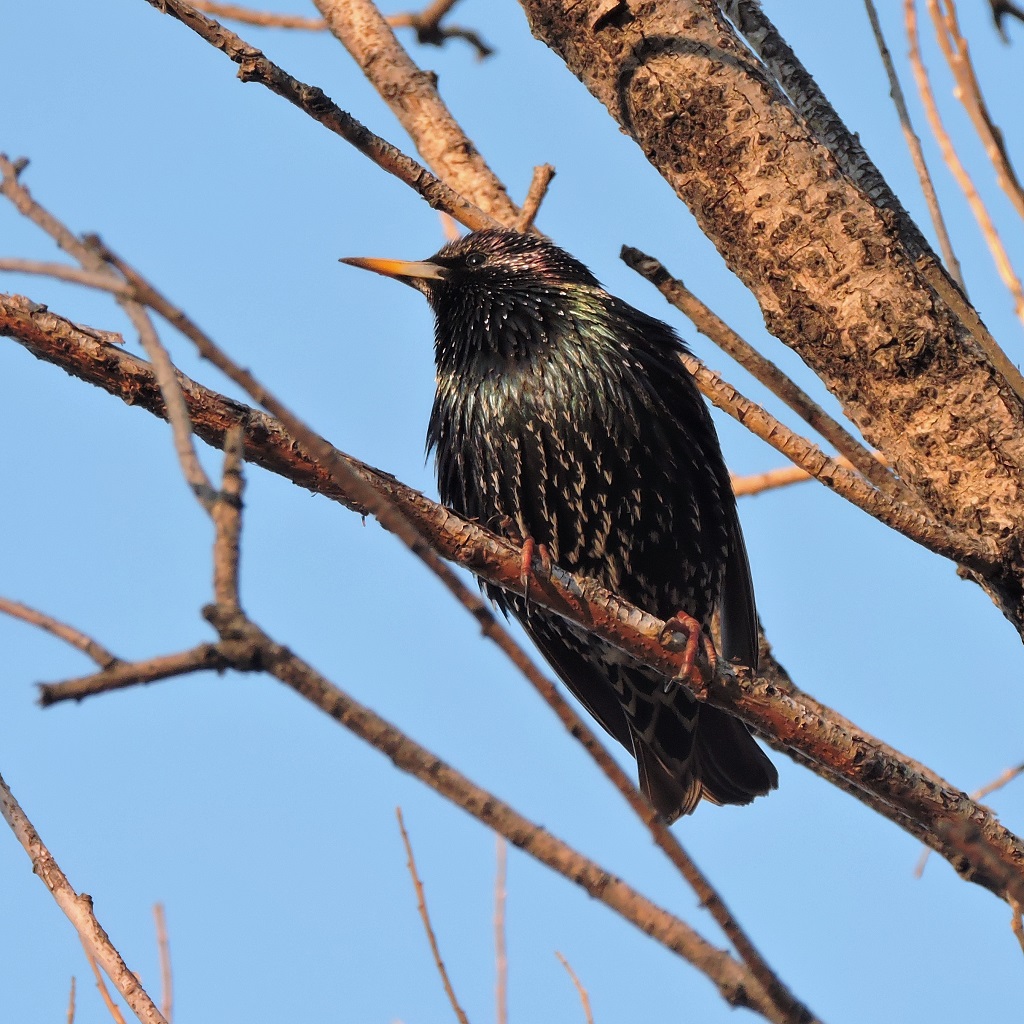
(726, 766)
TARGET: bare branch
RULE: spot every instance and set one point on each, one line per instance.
(421, 906)
(413, 97)
(542, 176)
(255, 67)
(1000, 10)
(900, 788)
(112, 1008)
(713, 327)
(958, 56)
(916, 152)
(78, 909)
(988, 229)
(426, 23)
(588, 1016)
(264, 19)
(430, 32)
(94, 257)
(500, 947)
(62, 272)
(1017, 924)
(772, 479)
(1003, 779)
(845, 482)
(122, 674)
(227, 517)
(166, 977)
(68, 634)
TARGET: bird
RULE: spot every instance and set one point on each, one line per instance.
(564, 418)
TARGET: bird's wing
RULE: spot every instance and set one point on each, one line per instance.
(739, 613)
(567, 655)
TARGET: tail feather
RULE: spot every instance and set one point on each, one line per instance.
(673, 793)
(726, 766)
(733, 768)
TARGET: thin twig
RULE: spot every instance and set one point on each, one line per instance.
(588, 1016)
(1000, 10)
(202, 658)
(913, 142)
(62, 630)
(988, 229)
(430, 32)
(426, 23)
(714, 328)
(78, 909)
(1017, 924)
(813, 460)
(62, 272)
(421, 906)
(772, 479)
(500, 945)
(166, 977)
(177, 412)
(112, 1008)
(71, 1002)
(958, 56)
(255, 67)
(92, 255)
(542, 176)
(264, 19)
(226, 513)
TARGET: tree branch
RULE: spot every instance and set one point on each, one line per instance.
(255, 67)
(905, 791)
(78, 910)
(842, 279)
(413, 97)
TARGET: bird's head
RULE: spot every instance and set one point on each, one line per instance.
(482, 263)
(497, 295)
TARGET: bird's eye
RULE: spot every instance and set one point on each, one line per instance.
(475, 259)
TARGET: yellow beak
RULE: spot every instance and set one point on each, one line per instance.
(401, 269)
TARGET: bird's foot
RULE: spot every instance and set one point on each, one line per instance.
(527, 572)
(697, 643)
(509, 528)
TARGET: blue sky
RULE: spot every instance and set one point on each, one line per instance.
(267, 831)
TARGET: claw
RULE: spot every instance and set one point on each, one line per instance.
(697, 642)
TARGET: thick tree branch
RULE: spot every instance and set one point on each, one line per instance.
(843, 281)
(902, 789)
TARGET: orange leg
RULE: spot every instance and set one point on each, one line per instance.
(530, 548)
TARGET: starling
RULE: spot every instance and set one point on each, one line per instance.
(565, 417)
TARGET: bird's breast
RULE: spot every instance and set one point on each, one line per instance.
(585, 466)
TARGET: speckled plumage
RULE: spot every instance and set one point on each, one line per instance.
(566, 411)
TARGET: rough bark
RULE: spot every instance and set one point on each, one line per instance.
(844, 282)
